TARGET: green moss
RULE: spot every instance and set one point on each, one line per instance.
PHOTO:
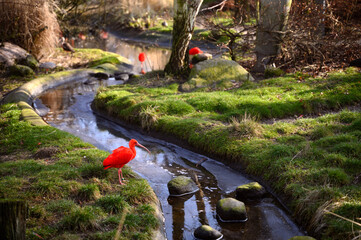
(98, 56)
(21, 70)
(180, 181)
(273, 72)
(215, 74)
(302, 238)
(251, 186)
(109, 67)
(73, 172)
(309, 160)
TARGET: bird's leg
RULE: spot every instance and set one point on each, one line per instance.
(120, 173)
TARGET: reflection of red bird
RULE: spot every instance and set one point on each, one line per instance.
(195, 51)
(141, 58)
(122, 156)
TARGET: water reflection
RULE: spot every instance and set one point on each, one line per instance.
(156, 58)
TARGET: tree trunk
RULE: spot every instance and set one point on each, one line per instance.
(185, 12)
(12, 219)
(273, 16)
(321, 24)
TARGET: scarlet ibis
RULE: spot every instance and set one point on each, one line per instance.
(122, 156)
(194, 51)
(66, 46)
(141, 58)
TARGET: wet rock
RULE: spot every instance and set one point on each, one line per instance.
(251, 190)
(100, 75)
(21, 70)
(215, 74)
(207, 232)
(181, 185)
(124, 77)
(201, 57)
(47, 66)
(10, 54)
(302, 238)
(30, 61)
(107, 67)
(231, 210)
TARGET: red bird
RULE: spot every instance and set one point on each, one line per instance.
(195, 51)
(141, 58)
(122, 156)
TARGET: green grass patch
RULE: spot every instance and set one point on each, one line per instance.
(276, 129)
(69, 194)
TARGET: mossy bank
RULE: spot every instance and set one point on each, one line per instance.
(68, 193)
(295, 133)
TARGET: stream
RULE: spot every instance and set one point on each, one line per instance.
(68, 108)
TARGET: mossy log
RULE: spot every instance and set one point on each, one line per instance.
(12, 219)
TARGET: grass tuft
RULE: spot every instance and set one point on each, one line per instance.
(88, 192)
(112, 203)
(246, 127)
(82, 219)
(148, 117)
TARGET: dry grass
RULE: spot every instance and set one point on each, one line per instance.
(31, 24)
(148, 117)
(247, 126)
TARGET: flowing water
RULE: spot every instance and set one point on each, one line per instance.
(68, 108)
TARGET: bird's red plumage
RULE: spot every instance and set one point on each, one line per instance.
(119, 158)
(195, 51)
(141, 57)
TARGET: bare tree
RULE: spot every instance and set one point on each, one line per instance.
(273, 16)
(185, 12)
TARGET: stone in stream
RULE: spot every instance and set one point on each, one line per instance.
(231, 210)
(124, 77)
(251, 190)
(302, 238)
(207, 232)
(100, 75)
(21, 70)
(181, 185)
(30, 61)
(47, 66)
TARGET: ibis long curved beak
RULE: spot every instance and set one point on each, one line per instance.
(140, 145)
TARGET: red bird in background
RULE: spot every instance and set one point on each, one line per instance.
(194, 51)
(122, 156)
(141, 58)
